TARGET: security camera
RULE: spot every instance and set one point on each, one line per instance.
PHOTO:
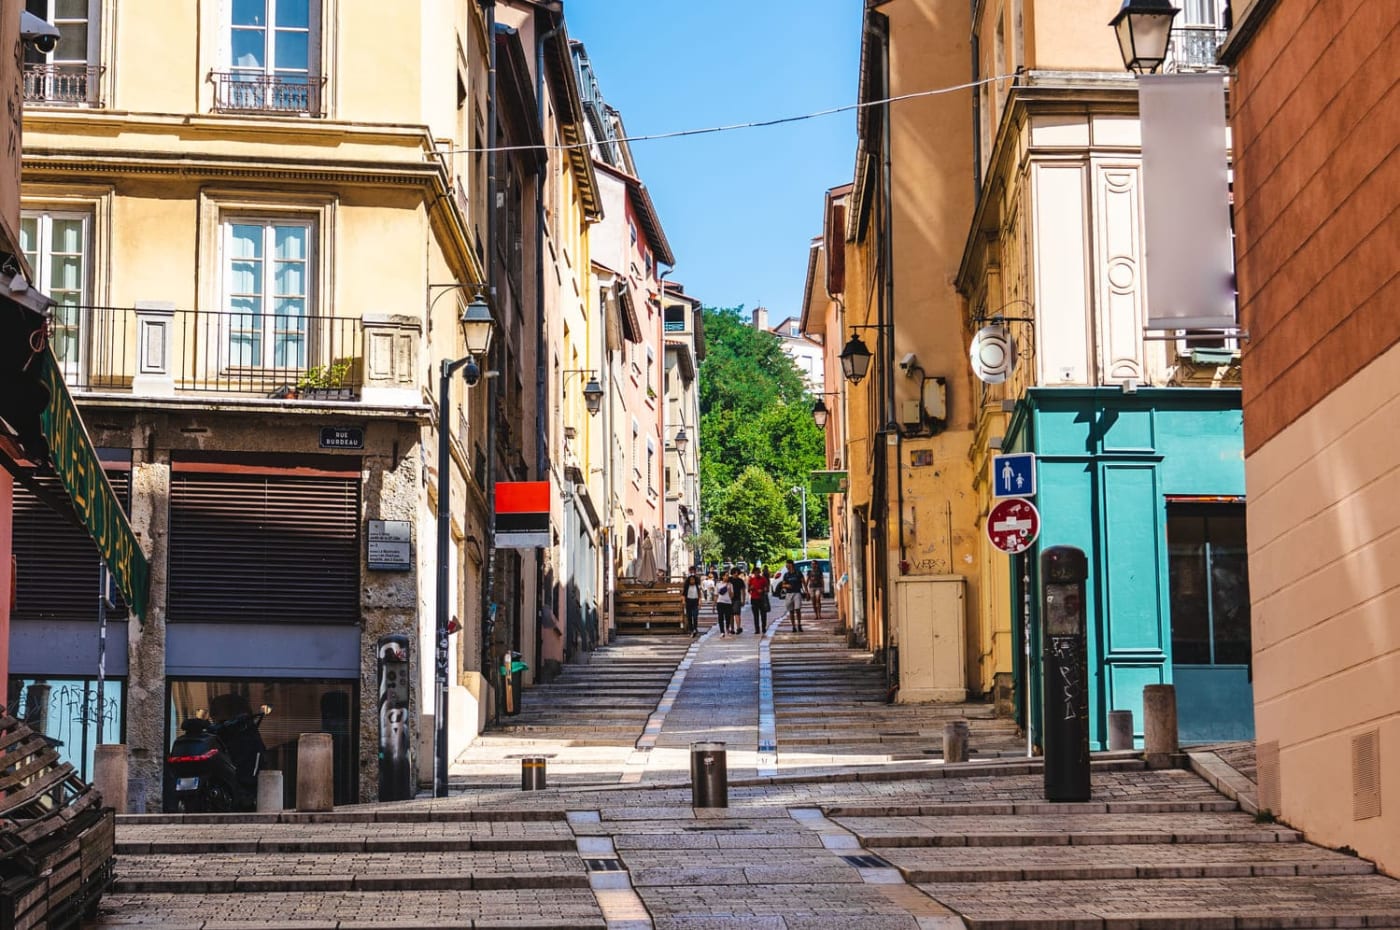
(909, 361)
(38, 33)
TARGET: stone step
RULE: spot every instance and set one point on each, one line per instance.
(342, 843)
(1094, 863)
(226, 873)
(1258, 903)
(1064, 828)
(1210, 804)
(558, 908)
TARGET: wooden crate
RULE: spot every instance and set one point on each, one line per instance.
(56, 838)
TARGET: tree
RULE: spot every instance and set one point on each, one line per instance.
(751, 518)
(755, 411)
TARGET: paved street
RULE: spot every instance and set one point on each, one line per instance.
(842, 815)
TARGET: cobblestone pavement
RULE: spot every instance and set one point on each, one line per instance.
(857, 826)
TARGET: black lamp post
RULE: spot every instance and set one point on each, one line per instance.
(855, 360)
(1144, 28)
(477, 328)
(681, 441)
(819, 413)
(592, 391)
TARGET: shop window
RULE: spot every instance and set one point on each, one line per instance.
(313, 706)
(1209, 577)
(66, 711)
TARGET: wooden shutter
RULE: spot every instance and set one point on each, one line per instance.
(57, 559)
(264, 547)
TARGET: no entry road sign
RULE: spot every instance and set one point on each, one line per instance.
(1013, 525)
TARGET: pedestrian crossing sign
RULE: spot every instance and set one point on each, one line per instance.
(1013, 475)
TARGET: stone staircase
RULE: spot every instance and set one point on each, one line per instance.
(585, 722)
(1029, 865)
(830, 701)
(401, 866)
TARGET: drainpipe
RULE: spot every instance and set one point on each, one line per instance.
(488, 596)
(543, 465)
(976, 113)
(887, 356)
(661, 396)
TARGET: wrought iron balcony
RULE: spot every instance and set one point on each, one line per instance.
(255, 92)
(67, 84)
(156, 350)
(1193, 48)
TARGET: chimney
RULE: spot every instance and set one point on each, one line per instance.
(760, 318)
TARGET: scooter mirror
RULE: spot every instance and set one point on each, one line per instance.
(266, 709)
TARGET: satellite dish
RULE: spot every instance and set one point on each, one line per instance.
(993, 354)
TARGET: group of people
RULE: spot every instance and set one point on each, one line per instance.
(729, 590)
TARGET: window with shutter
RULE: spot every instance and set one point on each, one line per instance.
(264, 544)
(57, 559)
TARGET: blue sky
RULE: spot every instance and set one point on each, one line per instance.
(739, 208)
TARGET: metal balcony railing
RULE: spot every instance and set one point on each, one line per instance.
(1193, 48)
(151, 352)
(255, 92)
(69, 84)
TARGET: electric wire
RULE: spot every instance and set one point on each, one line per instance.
(731, 127)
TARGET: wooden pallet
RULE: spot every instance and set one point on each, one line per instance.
(56, 838)
(656, 608)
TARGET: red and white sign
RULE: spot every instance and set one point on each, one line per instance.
(1013, 525)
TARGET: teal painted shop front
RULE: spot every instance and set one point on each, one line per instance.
(1151, 486)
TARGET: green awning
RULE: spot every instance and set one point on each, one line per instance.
(94, 502)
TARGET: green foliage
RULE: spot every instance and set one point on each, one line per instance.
(325, 376)
(755, 412)
(752, 521)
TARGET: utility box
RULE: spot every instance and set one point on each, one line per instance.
(930, 631)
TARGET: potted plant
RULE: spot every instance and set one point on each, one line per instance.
(325, 382)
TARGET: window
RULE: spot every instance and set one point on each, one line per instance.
(267, 265)
(651, 467)
(57, 247)
(272, 56)
(1209, 579)
(636, 460)
(69, 73)
(68, 708)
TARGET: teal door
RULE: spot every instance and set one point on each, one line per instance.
(1209, 578)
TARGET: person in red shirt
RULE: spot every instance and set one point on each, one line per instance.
(759, 583)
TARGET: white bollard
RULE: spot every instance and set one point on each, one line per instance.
(270, 791)
(315, 772)
(1120, 729)
(109, 775)
(955, 737)
(1159, 725)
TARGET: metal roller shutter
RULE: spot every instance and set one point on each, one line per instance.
(58, 561)
(261, 547)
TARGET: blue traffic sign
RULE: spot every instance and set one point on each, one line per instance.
(1013, 475)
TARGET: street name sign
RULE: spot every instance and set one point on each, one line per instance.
(1013, 525)
(1013, 475)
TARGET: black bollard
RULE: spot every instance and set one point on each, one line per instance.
(532, 773)
(709, 776)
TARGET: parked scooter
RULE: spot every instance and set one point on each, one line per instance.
(215, 763)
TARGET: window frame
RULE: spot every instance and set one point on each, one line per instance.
(1207, 512)
(42, 265)
(39, 86)
(269, 223)
(321, 17)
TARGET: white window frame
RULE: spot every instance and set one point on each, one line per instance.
(319, 12)
(266, 358)
(41, 261)
(49, 85)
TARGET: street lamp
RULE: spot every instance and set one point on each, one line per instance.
(592, 391)
(681, 441)
(477, 328)
(855, 360)
(819, 413)
(801, 489)
(1144, 28)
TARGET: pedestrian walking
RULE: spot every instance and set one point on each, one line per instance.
(758, 598)
(790, 587)
(707, 587)
(739, 592)
(692, 602)
(816, 584)
(724, 606)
